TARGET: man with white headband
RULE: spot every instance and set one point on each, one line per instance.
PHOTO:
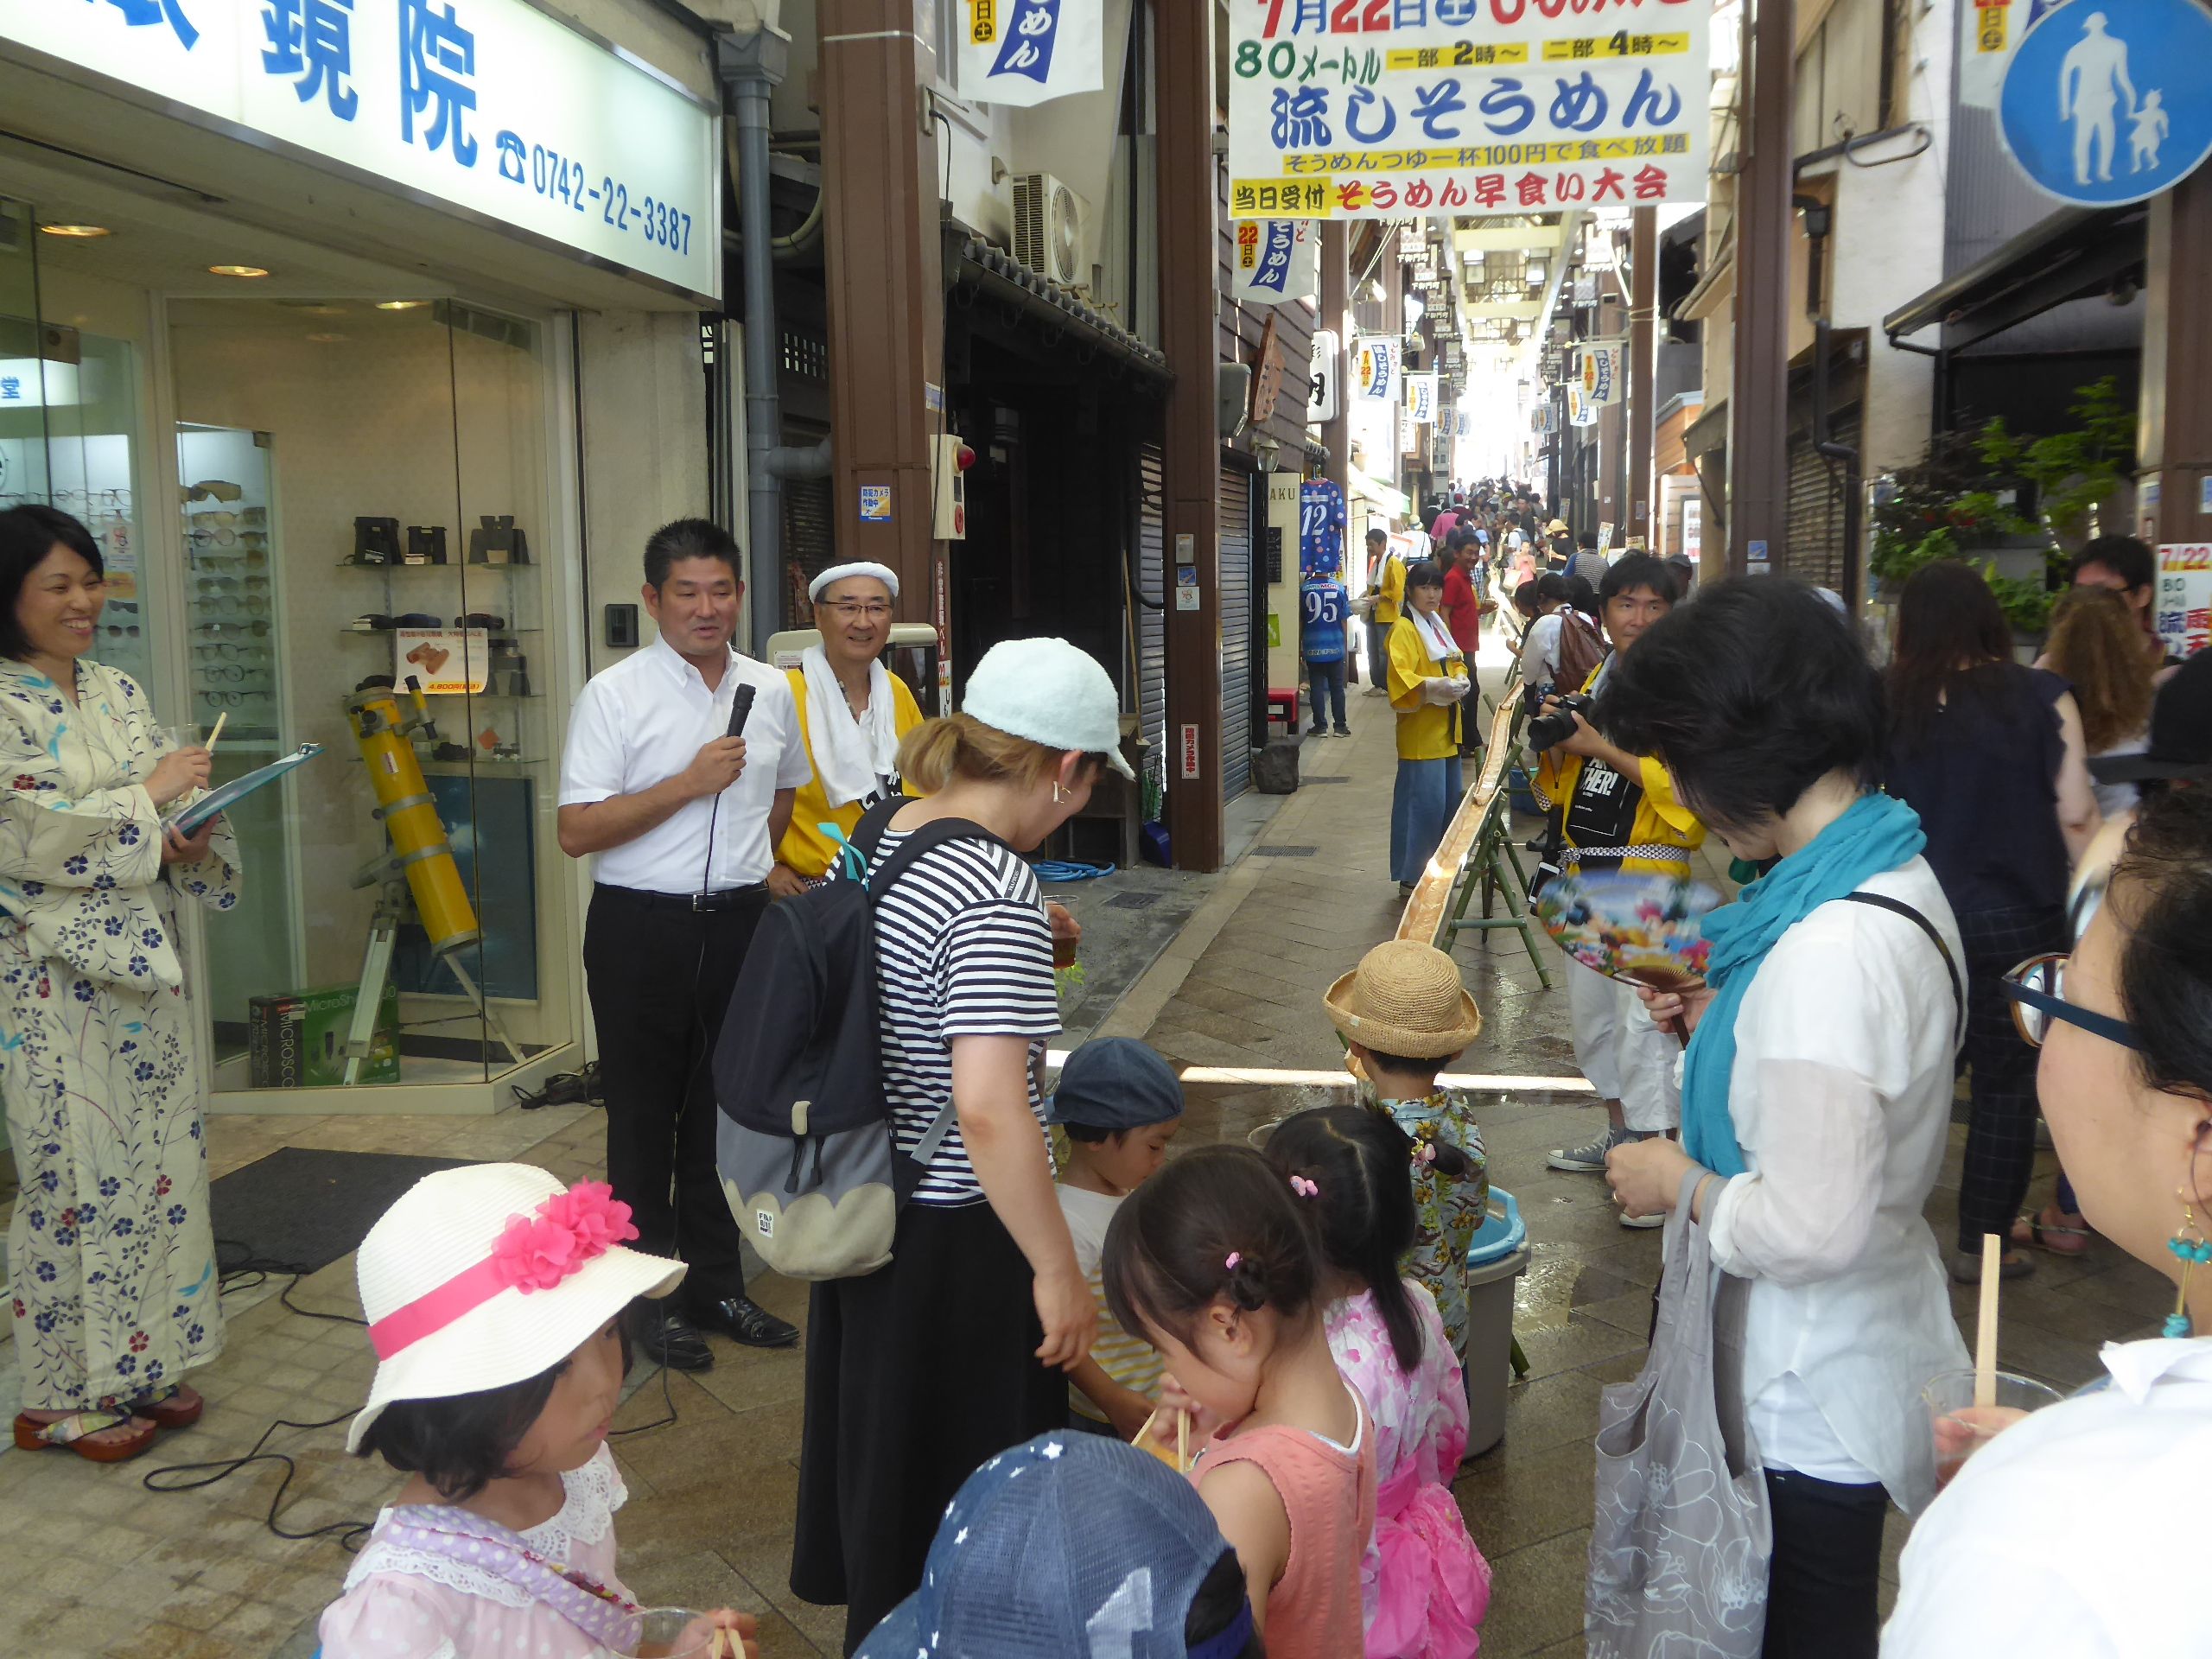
(680, 817)
(852, 714)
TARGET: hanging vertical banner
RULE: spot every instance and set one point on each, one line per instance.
(1601, 375)
(1420, 398)
(1581, 411)
(1379, 368)
(1024, 52)
(1277, 259)
(1385, 108)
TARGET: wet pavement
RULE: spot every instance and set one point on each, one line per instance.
(1222, 973)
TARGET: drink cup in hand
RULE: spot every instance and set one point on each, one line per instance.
(1962, 1429)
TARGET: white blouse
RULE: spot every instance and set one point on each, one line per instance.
(2078, 1531)
(1842, 1099)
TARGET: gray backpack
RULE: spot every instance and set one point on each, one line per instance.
(804, 1145)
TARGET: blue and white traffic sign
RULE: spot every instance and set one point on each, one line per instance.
(2106, 101)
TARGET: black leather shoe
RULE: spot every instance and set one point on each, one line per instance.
(744, 1320)
(666, 1334)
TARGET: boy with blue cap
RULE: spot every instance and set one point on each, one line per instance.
(1121, 1103)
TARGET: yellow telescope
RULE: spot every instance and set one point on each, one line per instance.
(420, 854)
(411, 815)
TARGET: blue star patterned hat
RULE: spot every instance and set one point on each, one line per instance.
(1070, 1546)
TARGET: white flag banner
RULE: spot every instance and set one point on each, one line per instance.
(1024, 52)
(1392, 109)
(1380, 368)
(1277, 260)
(1420, 398)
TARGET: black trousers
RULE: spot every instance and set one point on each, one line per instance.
(915, 1375)
(1823, 1589)
(660, 976)
(2000, 1152)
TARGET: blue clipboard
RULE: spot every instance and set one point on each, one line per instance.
(215, 802)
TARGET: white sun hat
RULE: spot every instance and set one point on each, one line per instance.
(1050, 692)
(485, 1275)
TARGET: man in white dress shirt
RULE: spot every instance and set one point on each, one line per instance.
(680, 820)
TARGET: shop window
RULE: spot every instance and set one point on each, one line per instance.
(362, 519)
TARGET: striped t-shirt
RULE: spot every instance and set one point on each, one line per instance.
(962, 950)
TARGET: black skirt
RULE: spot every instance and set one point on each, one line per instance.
(915, 1375)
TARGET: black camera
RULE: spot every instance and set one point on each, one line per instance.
(1554, 726)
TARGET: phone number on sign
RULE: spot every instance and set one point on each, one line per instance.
(554, 175)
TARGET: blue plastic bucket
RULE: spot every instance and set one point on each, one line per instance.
(1501, 1235)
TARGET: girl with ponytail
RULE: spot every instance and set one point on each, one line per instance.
(1214, 1262)
(1424, 1587)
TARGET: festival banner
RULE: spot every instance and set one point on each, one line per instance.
(1420, 398)
(1600, 374)
(1380, 368)
(1023, 52)
(1379, 109)
(1277, 260)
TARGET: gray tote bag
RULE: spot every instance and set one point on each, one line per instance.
(1679, 1550)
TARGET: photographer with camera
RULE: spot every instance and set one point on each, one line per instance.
(1616, 811)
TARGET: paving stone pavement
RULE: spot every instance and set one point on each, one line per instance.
(108, 1568)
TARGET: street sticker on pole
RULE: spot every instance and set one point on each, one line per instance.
(1339, 110)
(1190, 751)
(2106, 102)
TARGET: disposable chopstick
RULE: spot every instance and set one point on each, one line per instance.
(1985, 1344)
(215, 734)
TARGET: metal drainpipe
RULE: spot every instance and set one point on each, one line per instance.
(751, 67)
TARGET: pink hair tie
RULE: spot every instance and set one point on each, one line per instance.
(1235, 1257)
(1303, 1188)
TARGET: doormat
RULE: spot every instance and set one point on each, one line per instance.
(297, 1210)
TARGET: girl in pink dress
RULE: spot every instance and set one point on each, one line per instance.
(1213, 1263)
(494, 1299)
(1424, 1587)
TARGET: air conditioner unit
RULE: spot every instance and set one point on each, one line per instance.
(1049, 227)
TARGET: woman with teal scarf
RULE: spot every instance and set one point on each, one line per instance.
(1816, 1086)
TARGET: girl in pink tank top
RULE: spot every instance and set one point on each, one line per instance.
(1215, 1262)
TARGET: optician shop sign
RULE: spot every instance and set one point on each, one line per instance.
(490, 107)
(1382, 109)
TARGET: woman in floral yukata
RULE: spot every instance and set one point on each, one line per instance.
(111, 1256)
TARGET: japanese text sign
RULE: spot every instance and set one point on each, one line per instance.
(1276, 260)
(1600, 380)
(1023, 52)
(491, 107)
(1420, 398)
(1381, 368)
(1379, 109)
(2184, 601)
(447, 661)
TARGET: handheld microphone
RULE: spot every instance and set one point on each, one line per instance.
(740, 705)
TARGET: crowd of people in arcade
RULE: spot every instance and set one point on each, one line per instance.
(1074, 1387)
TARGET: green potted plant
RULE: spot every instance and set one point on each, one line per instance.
(2016, 506)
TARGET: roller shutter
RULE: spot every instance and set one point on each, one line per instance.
(1152, 594)
(1236, 632)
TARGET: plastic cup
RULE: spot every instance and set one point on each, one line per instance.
(1962, 1429)
(1063, 952)
(169, 739)
(673, 1633)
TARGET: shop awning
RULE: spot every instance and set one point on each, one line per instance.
(2073, 254)
(1392, 500)
(991, 273)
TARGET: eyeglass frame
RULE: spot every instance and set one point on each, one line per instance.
(874, 610)
(2112, 1030)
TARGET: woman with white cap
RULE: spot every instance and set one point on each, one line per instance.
(494, 1298)
(852, 714)
(958, 1349)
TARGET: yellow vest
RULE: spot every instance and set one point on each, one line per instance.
(1662, 822)
(804, 848)
(1424, 729)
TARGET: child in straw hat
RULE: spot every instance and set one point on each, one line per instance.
(1404, 1016)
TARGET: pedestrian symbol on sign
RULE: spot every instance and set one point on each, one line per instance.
(2076, 115)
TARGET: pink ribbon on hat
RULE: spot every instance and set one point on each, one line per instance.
(570, 1228)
